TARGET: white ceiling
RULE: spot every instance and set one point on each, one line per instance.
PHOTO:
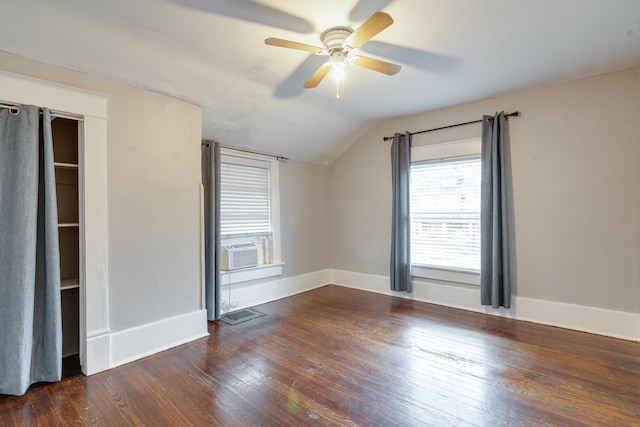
(211, 53)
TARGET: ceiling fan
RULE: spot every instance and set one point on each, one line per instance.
(337, 43)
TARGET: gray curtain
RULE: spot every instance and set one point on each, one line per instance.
(400, 221)
(30, 313)
(211, 182)
(495, 281)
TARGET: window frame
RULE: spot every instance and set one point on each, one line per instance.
(446, 151)
(276, 266)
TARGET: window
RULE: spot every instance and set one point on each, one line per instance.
(249, 217)
(445, 211)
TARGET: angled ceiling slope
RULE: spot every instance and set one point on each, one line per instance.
(212, 53)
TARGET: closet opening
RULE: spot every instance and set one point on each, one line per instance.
(66, 133)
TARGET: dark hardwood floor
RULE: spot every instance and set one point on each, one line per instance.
(337, 356)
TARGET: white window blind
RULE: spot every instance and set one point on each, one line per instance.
(445, 213)
(244, 198)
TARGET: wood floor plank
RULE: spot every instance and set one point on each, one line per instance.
(343, 367)
(88, 413)
(338, 356)
(61, 403)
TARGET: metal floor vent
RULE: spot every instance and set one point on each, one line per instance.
(241, 316)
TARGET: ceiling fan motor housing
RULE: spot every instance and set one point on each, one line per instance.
(333, 39)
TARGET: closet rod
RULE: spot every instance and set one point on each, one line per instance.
(230, 147)
(14, 109)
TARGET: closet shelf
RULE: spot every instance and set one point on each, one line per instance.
(73, 283)
(68, 225)
(68, 180)
(65, 165)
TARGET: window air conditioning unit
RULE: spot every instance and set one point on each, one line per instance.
(239, 256)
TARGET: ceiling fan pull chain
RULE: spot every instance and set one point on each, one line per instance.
(339, 87)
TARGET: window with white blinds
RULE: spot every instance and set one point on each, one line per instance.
(245, 207)
(445, 213)
(249, 217)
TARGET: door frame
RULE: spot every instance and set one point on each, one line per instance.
(91, 110)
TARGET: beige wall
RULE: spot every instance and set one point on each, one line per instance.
(154, 207)
(153, 189)
(576, 161)
(576, 170)
(304, 217)
(153, 161)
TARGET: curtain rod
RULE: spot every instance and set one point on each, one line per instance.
(14, 109)
(514, 114)
(229, 147)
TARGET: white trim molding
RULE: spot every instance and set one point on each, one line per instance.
(142, 341)
(612, 323)
(230, 277)
(92, 107)
(30, 90)
(98, 348)
(249, 294)
(457, 276)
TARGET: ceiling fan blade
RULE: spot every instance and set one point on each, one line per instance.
(317, 77)
(292, 45)
(368, 29)
(292, 86)
(377, 65)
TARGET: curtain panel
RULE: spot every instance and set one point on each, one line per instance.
(400, 268)
(30, 307)
(211, 183)
(495, 273)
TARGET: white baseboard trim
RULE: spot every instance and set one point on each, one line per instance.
(144, 340)
(612, 323)
(250, 294)
(97, 349)
(107, 350)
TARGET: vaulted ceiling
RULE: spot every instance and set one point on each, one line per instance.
(212, 53)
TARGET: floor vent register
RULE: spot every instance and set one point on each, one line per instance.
(241, 316)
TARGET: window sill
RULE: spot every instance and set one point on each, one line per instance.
(230, 277)
(457, 276)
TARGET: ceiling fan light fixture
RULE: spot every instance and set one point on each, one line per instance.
(338, 73)
(338, 64)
